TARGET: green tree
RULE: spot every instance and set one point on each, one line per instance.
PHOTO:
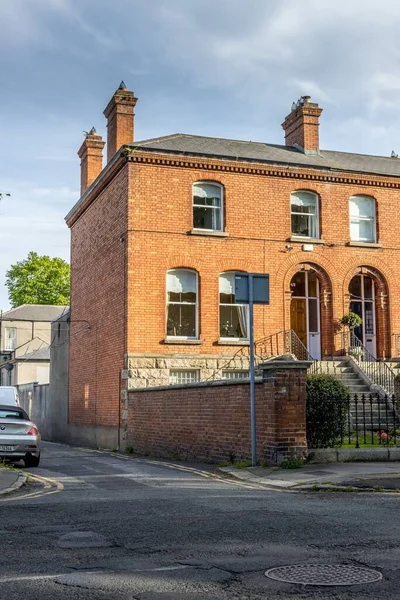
(38, 280)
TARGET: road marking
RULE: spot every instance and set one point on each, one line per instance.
(205, 474)
(50, 486)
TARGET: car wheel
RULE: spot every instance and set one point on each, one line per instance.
(32, 461)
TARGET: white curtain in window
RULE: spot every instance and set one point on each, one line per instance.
(206, 190)
(303, 199)
(227, 283)
(181, 281)
(362, 206)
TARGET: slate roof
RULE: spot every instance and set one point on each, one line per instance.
(195, 145)
(34, 312)
(41, 354)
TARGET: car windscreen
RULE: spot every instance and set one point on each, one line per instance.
(11, 414)
(7, 395)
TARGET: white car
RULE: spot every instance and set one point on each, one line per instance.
(9, 395)
(19, 437)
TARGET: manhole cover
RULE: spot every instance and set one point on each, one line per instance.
(324, 574)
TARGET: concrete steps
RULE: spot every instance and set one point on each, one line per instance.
(372, 416)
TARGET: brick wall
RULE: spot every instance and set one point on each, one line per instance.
(257, 219)
(97, 330)
(212, 421)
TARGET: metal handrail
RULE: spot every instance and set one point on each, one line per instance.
(376, 370)
(284, 342)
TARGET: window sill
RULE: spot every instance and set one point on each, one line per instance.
(225, 342)
(306, 240)
(364, 244)
(208, 232)
(183, 342)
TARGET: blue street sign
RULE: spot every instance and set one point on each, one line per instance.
(260, 288)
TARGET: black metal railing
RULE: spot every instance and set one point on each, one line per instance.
(370, 420)
(377, 371)
(283, 342)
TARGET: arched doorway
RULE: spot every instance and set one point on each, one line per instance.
(362, 302)
(305, 319)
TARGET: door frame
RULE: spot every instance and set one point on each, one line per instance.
(315, 354)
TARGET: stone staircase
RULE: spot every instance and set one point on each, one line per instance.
(373, 415)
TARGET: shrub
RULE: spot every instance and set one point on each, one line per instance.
(327, 409)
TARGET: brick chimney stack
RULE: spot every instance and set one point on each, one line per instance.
(120, 114)
(91, 155)
(302, 125)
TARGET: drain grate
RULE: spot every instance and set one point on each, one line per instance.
(324, 574)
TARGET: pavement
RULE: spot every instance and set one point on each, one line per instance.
(11, 480)
(356, 476)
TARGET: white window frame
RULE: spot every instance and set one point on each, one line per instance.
(214, 208)
(8, 339)
(358, 219)
(196, 304)
(231, 339)
(235, 374)
(183, 376)
(314, 228)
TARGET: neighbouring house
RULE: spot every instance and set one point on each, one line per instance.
(25, 338)
(159, 231)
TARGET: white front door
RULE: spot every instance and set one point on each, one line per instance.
(362, 302)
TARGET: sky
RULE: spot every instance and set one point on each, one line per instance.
(222, 68)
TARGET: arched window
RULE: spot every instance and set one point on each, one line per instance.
(182, 304)
(233, 317)
(304, 213)
(207, 206)
(362, 219)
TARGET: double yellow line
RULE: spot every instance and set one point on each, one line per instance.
(50, 486)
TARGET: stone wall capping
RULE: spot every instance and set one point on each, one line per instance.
(198, 384)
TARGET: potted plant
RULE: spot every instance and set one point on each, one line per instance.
(351, 320)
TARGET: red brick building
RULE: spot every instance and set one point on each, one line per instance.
(158, 232)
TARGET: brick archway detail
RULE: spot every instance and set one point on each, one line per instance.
(382, 312)
(325, 296)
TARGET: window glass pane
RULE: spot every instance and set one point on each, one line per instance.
(312, 284)
(10, 338)
(227, 288)
(298, 284)
(177, 376)
(180, 280)
(203, 218)
(235, 374)
(181, 320)
(233, 321)
(367, 287)
(313, 316)
(369, 318)
(303, 199)
(206, 190)
(366, 230)
(302, 225)
(355, 286)
(362, 206)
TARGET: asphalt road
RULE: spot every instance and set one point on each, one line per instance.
(131, 528)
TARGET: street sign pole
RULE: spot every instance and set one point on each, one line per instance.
(252, 288)
(252, 375)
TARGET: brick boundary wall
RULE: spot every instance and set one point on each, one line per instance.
(211, 421)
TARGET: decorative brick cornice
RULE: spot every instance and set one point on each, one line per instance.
(301, 172)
